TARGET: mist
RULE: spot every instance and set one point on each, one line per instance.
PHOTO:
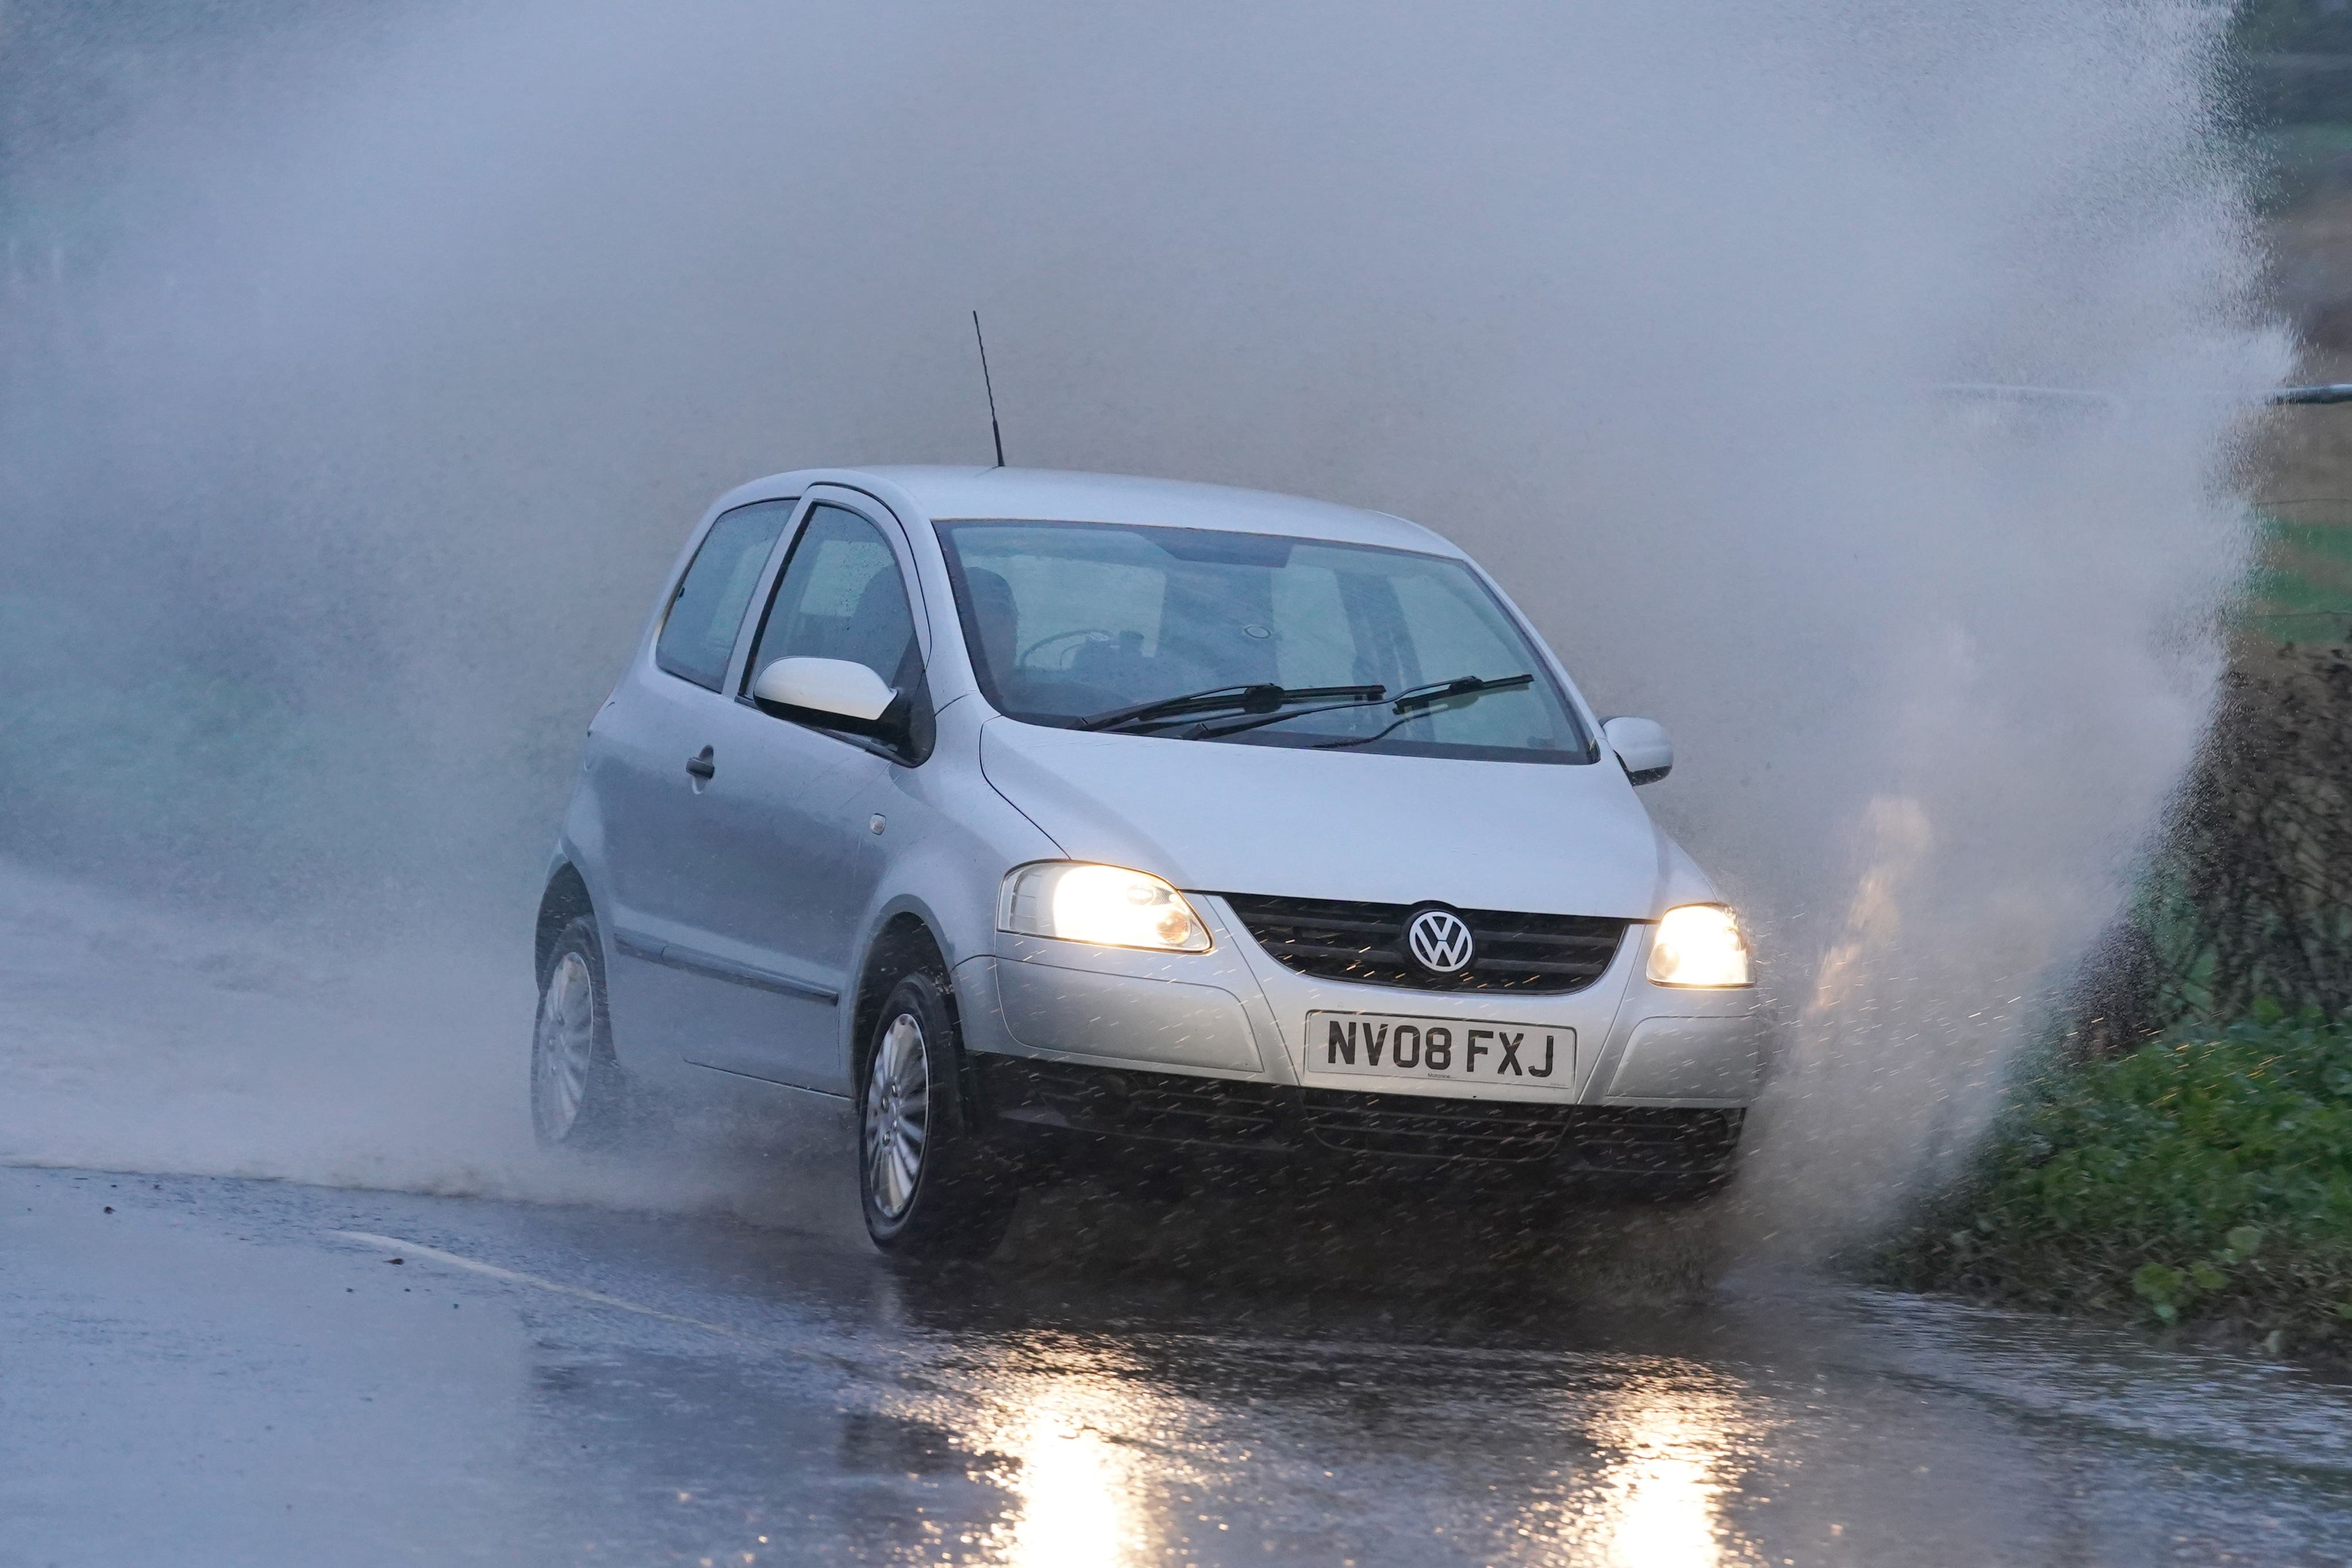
(364, 371)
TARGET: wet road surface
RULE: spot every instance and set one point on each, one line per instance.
(232, 1371)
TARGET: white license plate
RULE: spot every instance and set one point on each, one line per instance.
(1391, 1045)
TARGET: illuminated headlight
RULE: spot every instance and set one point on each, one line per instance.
(1099, 904)
(1699, 944)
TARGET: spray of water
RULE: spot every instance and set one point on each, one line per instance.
(361, 373)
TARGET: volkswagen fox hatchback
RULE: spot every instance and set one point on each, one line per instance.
(1031, 812)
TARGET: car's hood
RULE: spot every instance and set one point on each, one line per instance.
(1220, 818)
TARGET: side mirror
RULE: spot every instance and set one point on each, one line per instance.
(1642, 745)
(839, 694)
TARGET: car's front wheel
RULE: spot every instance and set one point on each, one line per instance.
(576, 1083)
(929, 1188)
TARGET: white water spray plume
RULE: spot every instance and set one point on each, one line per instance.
(364, 366)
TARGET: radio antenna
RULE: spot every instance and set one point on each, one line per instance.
(993, 428)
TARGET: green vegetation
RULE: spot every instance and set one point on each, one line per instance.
(2302, 591)
(2206, 1178)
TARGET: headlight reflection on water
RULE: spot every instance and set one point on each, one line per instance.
(1674, 1450)
(1104, 1463)
(1072, 1509)
(1081, 1499)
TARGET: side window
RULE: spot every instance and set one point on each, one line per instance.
(699, 633)
(840, 597)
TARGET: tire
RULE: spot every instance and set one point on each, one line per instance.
(577, 1087)
(929, 1189)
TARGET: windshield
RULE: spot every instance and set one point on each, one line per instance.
(1068, 622)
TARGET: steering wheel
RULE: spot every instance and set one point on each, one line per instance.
(1087, 633)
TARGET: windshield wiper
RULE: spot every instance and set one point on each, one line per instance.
(1411, 703)
(1412, 706)
(1260, 698)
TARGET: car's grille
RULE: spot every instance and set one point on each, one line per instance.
(1432, 1128)
(1599, 1139)
(1135, 1104)
(1365, 943)
(1651, 1140)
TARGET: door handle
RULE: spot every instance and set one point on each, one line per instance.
(702, 764)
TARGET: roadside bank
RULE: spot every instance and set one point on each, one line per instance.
(2202, 1184)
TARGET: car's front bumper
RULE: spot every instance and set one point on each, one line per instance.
(1235, 1014)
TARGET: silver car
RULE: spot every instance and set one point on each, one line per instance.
(1043, 817)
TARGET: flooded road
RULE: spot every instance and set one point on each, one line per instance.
(224, 1371)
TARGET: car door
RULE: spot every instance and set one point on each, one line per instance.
(654, 754)
(794, 803)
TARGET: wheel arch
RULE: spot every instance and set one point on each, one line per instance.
(565, 899)
(905, 943)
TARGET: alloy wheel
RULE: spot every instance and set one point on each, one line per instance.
(897, 1107)
(565, 1050)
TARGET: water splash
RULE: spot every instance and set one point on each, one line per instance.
(362, 375)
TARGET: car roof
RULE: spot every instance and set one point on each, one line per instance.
(1061, 496)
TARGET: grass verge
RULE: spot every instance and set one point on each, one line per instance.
(2204, 1180)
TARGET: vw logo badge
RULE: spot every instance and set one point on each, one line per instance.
(1440, 941)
